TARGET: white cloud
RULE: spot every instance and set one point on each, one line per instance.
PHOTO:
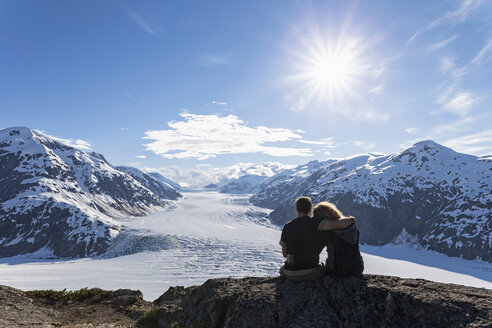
(447, 65)
(219, 103)
(203, 165)
(299, 105)
(443, 43)
(367, 146)
(142, 23)
(123, 129)
(75, 143)
(206, 136)
(377, 89)
(460, 103)
(141, 156)
(454, 16)
(186, 178)
(411, 130)
(479, 143)
(207, 174)
(482, 56)
(312, 142)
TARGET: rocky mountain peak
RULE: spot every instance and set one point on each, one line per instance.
(439, 196)
(62, 201)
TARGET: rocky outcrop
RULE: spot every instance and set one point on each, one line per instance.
(438, 197)
(82, 309)
(374, 301)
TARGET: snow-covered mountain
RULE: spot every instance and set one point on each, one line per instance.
(428, 193)
(244, 177)
(58, 200)
(163, 179)
(162, 189)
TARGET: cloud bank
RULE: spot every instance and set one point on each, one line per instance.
(206, 136)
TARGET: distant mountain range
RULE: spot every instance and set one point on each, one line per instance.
(56, 200)
(242, 178)
(165, 180)
(427, 194)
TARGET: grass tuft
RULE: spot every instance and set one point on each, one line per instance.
(151, 318)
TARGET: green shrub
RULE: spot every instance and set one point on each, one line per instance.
(151, 318)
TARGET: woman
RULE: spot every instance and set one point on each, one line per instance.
(344, 259)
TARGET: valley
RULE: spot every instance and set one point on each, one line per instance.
(209, 235)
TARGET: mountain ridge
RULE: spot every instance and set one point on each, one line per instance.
(56, 200)
(436, 194)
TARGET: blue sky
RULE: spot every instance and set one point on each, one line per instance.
(157, 84)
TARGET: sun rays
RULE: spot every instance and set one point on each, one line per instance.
(328, 70)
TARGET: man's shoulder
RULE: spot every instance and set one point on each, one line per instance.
(317, 219)
(290, 223)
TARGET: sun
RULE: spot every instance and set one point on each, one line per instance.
(328, 70)
(332, 71)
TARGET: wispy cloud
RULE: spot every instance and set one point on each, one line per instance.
(443, 43)
(212, 60)
(142, 22)
(206, 174)
(452, 97)
(141, 156)
(377, 89)
(460, 103)
(75, 143)
(411, 130)
(219, 103)
(453, 127)
(447, 65)
(454, 16)
(481, 57)
(313, 142)
(479, 143)
(188, 178)
(366, 146)
(206, 136)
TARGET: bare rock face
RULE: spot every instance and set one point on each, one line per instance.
(374, 301)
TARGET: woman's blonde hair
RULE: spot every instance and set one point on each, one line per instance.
(328, 211)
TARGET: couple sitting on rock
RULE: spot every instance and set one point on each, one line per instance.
(304, 238)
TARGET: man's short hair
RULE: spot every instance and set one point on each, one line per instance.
(304, 205)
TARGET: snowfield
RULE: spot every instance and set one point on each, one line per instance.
(209, 235)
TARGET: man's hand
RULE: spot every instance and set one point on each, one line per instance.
(339, 224)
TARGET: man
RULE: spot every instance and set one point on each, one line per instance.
(302, 243)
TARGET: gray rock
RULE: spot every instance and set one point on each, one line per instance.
(374, 301)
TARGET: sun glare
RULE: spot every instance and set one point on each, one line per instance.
(328, 70)
(331, 71)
